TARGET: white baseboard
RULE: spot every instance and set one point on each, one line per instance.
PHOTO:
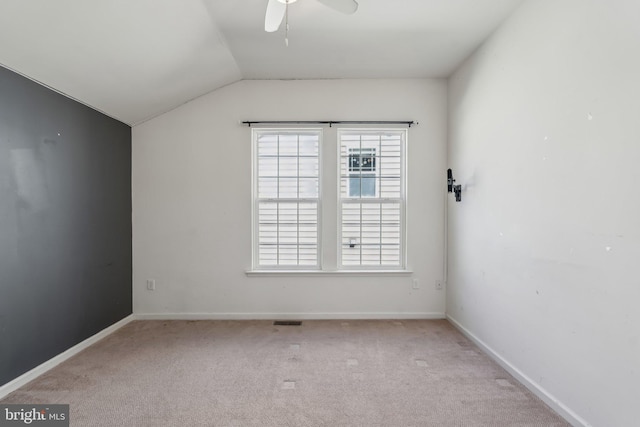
(285, 316)
(23, 379)
(564, 411)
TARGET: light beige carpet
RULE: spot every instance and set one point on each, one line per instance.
(251, 373)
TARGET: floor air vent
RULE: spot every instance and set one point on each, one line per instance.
(287, 323)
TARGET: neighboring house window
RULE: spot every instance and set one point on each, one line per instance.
(371, 198)
(286, 198)
(362, 172)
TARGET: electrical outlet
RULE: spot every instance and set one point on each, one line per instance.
(151, 285)
(415, 284)
(438, 285)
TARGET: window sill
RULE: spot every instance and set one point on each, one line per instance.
(353, 273)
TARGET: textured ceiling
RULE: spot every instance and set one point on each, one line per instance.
(135, 59)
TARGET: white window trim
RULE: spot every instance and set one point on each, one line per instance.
(256, 267)
(330, 273)
(340, 270)
(403, 203)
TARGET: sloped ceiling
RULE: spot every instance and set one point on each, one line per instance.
(136, 59)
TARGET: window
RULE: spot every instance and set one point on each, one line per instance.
(365, 217)
(362, 172)
(371, 193)
(287, 198)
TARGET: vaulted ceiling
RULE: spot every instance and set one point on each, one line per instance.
(135, 59)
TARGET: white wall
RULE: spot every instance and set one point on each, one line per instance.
(192, 203)
(544, 247)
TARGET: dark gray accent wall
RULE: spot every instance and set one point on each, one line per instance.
(65, 223)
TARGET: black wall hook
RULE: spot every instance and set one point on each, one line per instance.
(457, 189)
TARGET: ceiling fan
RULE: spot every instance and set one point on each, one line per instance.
(278, 10)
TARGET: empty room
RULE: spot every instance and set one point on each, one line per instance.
(319, 213)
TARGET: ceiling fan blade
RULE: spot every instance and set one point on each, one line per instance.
(274, 15)
(344, 6)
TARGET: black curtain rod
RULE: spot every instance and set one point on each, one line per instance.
(328, 122)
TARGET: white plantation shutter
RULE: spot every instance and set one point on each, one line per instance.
(372, 198)
(287, 198)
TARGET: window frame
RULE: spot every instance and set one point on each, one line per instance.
(403, 199)
(255, 200)
(329, 262)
